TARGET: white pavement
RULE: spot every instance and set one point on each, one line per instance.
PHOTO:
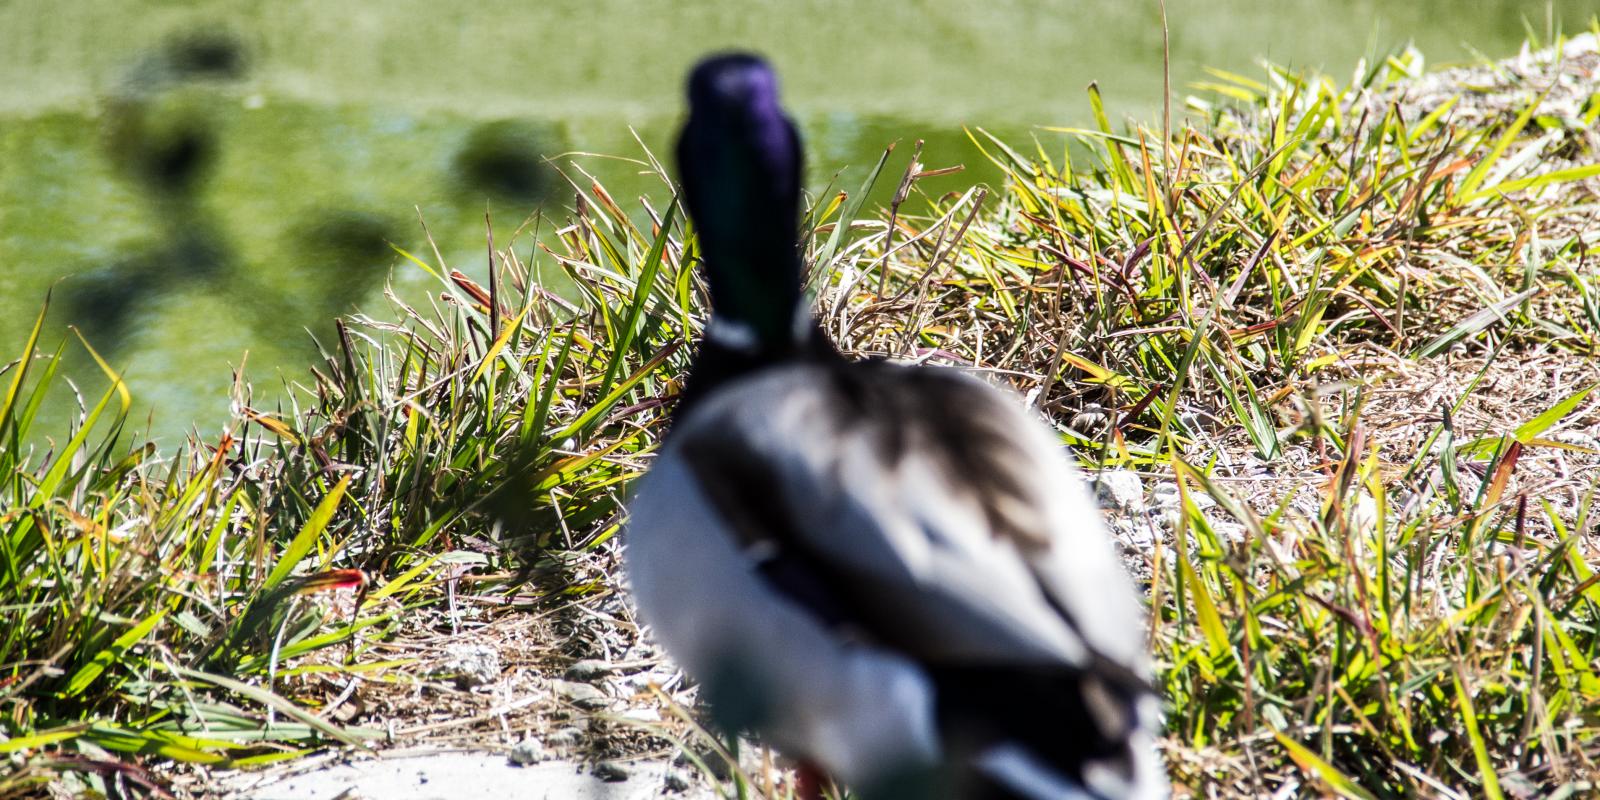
(459, 776)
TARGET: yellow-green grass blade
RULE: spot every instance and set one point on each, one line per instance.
(276, 702)
(307, 537)
(88, 673)
(1313, 765)
(1480, 749)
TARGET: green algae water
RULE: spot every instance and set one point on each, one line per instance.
(203, 185)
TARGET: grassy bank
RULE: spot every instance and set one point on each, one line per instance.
(1343, 334)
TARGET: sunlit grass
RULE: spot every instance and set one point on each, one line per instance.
(1200, 310)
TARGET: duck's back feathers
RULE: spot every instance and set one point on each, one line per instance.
(919, 515)
(931, 487)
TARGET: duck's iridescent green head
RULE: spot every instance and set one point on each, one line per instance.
(739, 161)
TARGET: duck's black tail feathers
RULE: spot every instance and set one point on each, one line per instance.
(1032, 732)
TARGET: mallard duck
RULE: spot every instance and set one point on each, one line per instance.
(889, 571)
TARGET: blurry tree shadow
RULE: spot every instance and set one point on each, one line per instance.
(334, 257)
(200, 55)
(168, 157)
(505, 161)
(344, 254)
(168, 160)
(103, 301)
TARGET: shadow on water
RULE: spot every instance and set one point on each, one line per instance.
(345, 252)
(165, 134)
(505, 160)
(168, 161)
(103, 301)
(207, 54)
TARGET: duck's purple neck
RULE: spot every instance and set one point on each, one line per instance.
(740, 162)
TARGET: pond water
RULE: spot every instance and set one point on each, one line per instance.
(192, 182)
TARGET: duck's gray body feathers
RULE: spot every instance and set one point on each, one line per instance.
(902, 561)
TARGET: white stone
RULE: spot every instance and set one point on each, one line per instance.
(1120, 490)
(471, 665)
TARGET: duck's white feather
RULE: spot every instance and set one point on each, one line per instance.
(851, 707)
(1020, 771)
(979, 550)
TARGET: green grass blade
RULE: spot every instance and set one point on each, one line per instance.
(847, 217)
(1469, 184)
(14, 390)
(1527, 431)
(86, 674)
(643, 290)
(1474, 323)
(276, 702)
(1313, 765)
(1480, 748)
(303, 541)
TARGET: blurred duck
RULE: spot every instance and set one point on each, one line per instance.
(891, 573)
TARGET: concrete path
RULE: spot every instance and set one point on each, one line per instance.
(456, 775)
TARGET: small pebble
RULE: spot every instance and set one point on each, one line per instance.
(1121, 490)
(471, 665)
(1090, 417)
(1364, 517)
(589, 669)
(642, 715)
(564, 738)
(1229, 532)
(712, 762)
(642, 681)
(582, 695)
(610, 772)
(676, 781)
(1166, 497)
(528, 751)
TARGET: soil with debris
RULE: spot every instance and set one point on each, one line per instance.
(523, 695)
